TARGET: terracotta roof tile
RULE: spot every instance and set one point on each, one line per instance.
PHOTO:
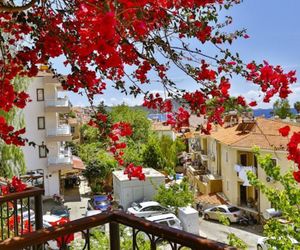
(263, 134)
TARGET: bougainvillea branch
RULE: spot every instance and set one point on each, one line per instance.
(126, 44)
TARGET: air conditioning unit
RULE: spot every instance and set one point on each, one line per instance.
(269, 179)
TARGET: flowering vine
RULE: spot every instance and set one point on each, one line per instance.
(121, 43)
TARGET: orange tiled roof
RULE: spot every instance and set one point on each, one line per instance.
(264, 134)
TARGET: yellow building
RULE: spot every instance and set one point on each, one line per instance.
(227, 156)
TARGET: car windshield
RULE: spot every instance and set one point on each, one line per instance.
(59, 212)
(102, 203)
(136, 206)
(233, 209)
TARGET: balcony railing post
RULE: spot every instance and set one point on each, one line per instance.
(38, 207)
(114, 236)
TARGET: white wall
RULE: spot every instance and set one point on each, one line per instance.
(32, 111)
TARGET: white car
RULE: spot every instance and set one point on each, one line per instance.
(263, 245)
(146, 209)
(232, 213)
(169, 220)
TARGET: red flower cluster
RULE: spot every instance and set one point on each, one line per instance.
(119, 130)
(8, 134)
(157, 102)
(179, 119)
(293, 149)
(16, 185)
(134, 171)
(272, 80)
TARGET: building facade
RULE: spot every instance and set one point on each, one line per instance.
(50, 156)
(227, 155)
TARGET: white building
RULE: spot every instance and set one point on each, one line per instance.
(127, 191)
(43, 128)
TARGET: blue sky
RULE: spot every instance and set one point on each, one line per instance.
(273, 27)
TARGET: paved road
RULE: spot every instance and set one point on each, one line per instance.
(216, 231)
(78, 205)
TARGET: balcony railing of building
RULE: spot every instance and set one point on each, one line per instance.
(83, 230)
(60, 102)
(62, 130)
(19, 231)
(60, 159)
(20, 213)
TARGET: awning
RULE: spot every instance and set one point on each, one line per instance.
(78, 163)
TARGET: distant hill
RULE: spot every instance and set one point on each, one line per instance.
(267, 112)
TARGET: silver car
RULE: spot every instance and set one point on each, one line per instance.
(232, 213)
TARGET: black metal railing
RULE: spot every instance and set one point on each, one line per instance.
(88, 234)
(21, 213)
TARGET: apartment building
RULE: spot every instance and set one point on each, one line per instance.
(50, 156)
(226, 156)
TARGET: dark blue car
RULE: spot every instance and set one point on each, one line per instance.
(101, 202)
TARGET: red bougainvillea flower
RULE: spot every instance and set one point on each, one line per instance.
(296, 175)
(284, 131)
(134, 171)
(252, 104)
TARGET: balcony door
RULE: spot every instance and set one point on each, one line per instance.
(243, 195)
(243, 159)
(219, 160)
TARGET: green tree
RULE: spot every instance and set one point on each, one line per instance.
(297, 106)
(282, 108)
(133, 153)
(152, 155)
(137, 118)
(12, 158)
(285, 197)
(176, 195)
(89, 134)
(98, 168)
(170, 149)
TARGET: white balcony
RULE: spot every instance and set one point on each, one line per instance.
(61, 161)
(60, 105)
(61, 133)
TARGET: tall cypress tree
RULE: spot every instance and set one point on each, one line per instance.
(11, 157)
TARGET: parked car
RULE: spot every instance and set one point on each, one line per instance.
(169, 220)
(263, 245)
(100, 202)
(230, 212)
(62, 212)
(146, 209)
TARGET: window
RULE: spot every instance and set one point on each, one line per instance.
(41, 122)
(172, 222)
(159, 208)
(72, 129)
(151, 208)
(221, 210)
(164, 223)
(40, 95)
(42, 151)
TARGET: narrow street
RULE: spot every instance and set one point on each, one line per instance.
(216, 231)
(78, 202)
